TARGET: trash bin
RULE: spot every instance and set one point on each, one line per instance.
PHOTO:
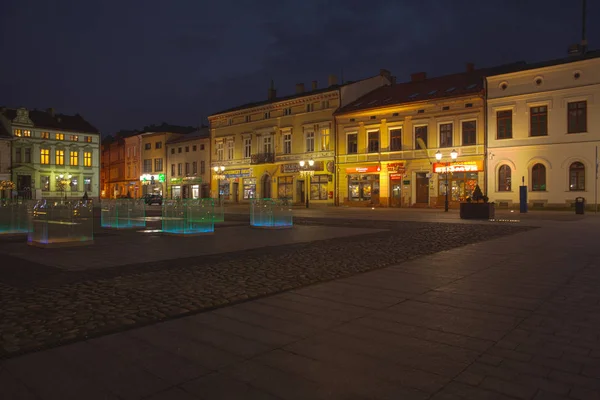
(579, 205)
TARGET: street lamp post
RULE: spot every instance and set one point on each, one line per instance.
(217, 169)
(438, 156)
(63, 183)
(307, 171)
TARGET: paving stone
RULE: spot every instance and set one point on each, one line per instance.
(219, 386)
(172, 394)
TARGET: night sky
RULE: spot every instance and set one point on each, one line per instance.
(125, 64)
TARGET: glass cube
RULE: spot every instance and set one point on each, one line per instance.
(123, 213)
(13, 217)
(270, 213)
(60, 223)
(219, 210)
(188, 216)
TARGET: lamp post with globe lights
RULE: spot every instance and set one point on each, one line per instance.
(306, 170)
(62, 183)
(453, 156)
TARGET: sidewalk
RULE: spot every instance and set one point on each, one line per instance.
(515, 317)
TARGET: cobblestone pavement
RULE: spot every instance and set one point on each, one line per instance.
(60, 307)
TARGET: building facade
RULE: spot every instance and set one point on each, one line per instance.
(257, 147)
(388, 140)
(5, 151)
(153, 154)
(133, 149)
(188, 169)
(53, 155)
(543, 131)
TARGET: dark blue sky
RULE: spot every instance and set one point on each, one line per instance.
(125, 64)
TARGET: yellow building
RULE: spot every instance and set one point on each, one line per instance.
(153, 154)
(387, 142)
(257, 147)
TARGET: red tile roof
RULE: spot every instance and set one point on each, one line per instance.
(446, 86)
(62, 122)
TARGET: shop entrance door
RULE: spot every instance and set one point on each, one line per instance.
(236, 192)
(396, 194)
(422, 188)
(300, 196)
(266, 187)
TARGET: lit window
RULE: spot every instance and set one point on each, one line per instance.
(88, 139)
(74, 138)
(87, 159)
(60, 157)
(18, 132)
(44, 156)
(45, 135)
(74, 158)
(60, 136)
(26, 133)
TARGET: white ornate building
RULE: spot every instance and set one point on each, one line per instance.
(543, 131)
(53, 155)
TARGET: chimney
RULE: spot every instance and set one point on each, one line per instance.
(470, 67)
(386, 74)
(418, 76)
(50, 111)
(332, 80)
(314, 85)
(272, 91)
(299, 88)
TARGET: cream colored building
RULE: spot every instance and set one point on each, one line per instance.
(388, 140)
(259, 145)
(188, 170)
(5, 157)
(543, 131)
(53, 155)
(153, 158)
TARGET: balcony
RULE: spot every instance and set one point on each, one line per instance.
(262, 158)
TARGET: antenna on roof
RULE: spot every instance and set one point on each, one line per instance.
(583, 37)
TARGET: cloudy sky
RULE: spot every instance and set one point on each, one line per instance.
(125, 64)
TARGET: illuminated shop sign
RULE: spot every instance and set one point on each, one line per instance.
(362, 170)
(149, 177)
(237, 173)
(396, 167)
(295, 167)
(459, 166)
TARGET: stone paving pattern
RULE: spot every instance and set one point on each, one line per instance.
(59, 307)
(516, 317)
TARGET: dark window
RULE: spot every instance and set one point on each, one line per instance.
(158, 145)
(187, 149)
(504, 124)
(179, 149)
(446, 135)
(202, 167)
(395, 139)
(538, 178)
(173, 150)
(539, 120)
(373, 142)
(147, 146)
(352, 143)
(504, 180)
(158, 164)
(577, 117)
(194, 167)
(576, 176)
(187, 168)
(469, 133)
(201, 147)
(194, 148)
(147, 165)
(172, 169)
(420, 133)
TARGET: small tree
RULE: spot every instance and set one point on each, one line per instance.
(477, 194)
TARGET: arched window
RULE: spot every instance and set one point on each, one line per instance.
(504, 178)
(577, 176)
(538, 178)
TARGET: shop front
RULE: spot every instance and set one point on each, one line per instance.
(152, 184)
(237, 184)
(185, 188)
(292, 182)
(396, 172)
(459, 178)
(363, 185)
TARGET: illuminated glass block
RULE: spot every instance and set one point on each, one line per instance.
(270, 213)
(219, 210)
(60, 223)
(188, 216)
(13, 217)
(123, 213)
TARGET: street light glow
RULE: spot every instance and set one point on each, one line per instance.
(438, 155)
(311, 162)
(302, 162)
(453, 154)
(216, 169)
